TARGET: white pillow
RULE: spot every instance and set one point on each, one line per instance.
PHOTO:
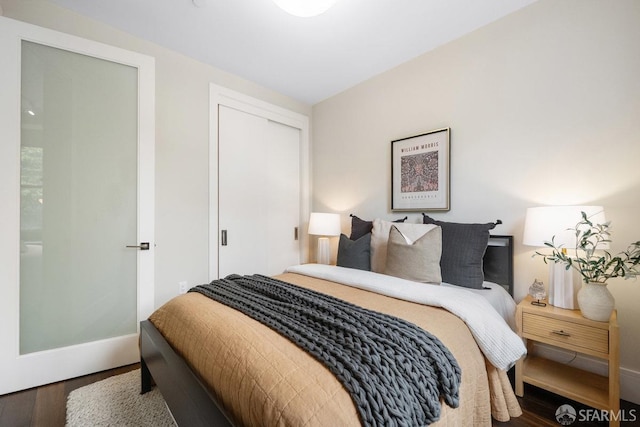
(380, 237)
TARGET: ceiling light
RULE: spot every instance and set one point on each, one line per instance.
(305, 8)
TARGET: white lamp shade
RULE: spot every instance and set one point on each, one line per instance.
(543, 223)
(305, 8)
(324, 224)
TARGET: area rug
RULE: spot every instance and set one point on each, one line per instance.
(117, 401)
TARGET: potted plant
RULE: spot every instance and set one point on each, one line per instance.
(596, 266)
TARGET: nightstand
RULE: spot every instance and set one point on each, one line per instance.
(567, 329)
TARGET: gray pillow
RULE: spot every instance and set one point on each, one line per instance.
(355, 253)
(463, 247)
(418, 261)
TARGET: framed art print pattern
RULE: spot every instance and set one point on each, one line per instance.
(420, 172)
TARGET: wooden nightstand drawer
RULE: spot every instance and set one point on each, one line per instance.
(564, 332)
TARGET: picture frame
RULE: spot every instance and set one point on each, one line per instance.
(420, 172)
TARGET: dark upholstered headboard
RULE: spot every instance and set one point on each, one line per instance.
(498, 262)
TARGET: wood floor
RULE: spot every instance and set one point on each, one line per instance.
(539, 409)
(46, 406)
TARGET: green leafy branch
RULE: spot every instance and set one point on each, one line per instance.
(595, 267)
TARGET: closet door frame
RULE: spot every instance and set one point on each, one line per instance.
(219, 95)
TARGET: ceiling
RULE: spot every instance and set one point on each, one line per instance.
(308, 59)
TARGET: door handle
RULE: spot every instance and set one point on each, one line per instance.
(223, 237)
(144, 246)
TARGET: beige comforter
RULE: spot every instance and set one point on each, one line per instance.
(263, 379)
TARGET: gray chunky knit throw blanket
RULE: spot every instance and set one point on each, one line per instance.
(395, 372)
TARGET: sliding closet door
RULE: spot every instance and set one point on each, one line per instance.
(259, 193)
(81, 253)
(259, 185)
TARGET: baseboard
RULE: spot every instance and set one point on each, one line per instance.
(629, 379)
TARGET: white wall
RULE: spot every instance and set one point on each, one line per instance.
(182, 138)
(544, 108)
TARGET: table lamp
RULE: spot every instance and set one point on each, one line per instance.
(324, 225)
(541, 225)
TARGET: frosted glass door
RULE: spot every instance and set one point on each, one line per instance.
(78, 199)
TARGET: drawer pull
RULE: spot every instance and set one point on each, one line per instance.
(561, 333)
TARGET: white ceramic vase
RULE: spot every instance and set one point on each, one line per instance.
(595, 301)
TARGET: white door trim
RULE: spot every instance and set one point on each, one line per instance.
(20, 372)
(219, 95)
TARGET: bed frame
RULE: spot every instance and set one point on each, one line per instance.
(189, 400)
(498, 262)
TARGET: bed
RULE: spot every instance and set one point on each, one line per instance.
(240, 372)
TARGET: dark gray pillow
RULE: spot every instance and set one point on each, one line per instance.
(360, 227)
(355, 253)
(463, 247)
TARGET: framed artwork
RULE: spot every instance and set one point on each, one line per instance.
(420, 172)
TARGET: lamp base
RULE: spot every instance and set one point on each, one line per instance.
(324, 251)
(563, 286)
